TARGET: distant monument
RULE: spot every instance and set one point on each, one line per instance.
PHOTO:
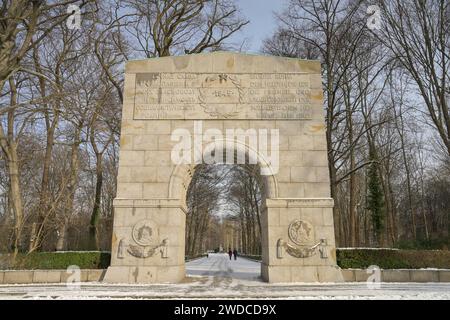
(220, 91)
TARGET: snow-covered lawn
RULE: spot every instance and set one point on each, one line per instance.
(217, 277)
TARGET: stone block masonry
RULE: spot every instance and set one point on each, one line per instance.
(224, 91)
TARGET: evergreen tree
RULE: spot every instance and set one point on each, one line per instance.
(375, 202)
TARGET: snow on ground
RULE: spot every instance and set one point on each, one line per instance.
(217, 277)
(363, 248)
(219, 265)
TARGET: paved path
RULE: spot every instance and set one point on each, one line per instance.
(220, 265)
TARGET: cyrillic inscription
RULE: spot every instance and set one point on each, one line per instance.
(222, 96)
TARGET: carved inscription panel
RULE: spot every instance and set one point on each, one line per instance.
(199, 96)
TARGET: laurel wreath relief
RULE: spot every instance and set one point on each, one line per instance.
(148, 251)
(213, 112)
(301, 252)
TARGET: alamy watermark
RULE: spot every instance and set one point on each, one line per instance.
(374, 21)
(74, 20)
(73, 281)
(236, 146)
(374, 280)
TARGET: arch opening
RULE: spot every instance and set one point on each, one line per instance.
(183, 173)
(224, 205)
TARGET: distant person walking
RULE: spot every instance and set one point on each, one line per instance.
(230, 253)
(235, 254)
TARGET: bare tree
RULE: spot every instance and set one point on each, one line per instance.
(25, 24)
(171, 27)
(418, 35)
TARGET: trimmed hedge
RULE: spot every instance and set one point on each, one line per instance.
(59, 260)
(393, 259)
(388, 258)
(346, 259)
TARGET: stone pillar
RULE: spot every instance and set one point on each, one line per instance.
(148, 242)
(298, 241)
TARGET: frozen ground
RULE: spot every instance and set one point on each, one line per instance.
(218, 278)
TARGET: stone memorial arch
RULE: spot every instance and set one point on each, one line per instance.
(276, 101)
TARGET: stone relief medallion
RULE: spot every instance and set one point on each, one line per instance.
(221, 96)
(301, 232)
(145, 233)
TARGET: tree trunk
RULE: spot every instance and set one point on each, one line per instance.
(8, 145)
(16, 197)
(71, 189)
(62, 235)
(352, 201)
(408, 177)
(50, 126)
(384, 175)
(392, 212)
(95, 216)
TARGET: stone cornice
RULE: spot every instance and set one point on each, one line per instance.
(300, 203)
(147, 203)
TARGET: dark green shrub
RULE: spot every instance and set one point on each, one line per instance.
(354, 258)
(393, 259)
(61, 260)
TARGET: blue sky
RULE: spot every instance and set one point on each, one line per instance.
(262, 21)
